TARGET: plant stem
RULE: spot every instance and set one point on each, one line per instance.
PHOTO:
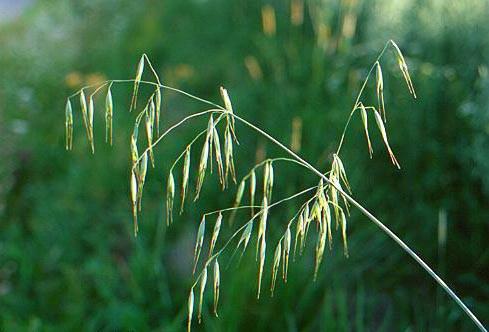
(376, 221)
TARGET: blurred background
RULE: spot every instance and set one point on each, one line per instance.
(68, 259)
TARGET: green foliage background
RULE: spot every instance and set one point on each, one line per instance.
(68, 260)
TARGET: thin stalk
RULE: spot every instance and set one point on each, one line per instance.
(376, 221)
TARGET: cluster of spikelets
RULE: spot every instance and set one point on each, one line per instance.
(326, 209)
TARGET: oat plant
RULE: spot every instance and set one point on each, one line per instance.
(324, 206)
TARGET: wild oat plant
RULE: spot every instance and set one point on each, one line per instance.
(325, 206)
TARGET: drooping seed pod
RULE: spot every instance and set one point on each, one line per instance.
(134, 198)
(380, 89)
(320, 194)
(137, 80)
(109, 111)
(237, 200)
(343, 233)
(228, 155)
(252, 191)
(83, 106)
(286, 254)
(152, 111)
(210, 138)
(299, 231)
(158, 109)
(215, 233)
(185, 177)
(246, 235)
(143, 169)
(341, 171)
(404, 68)
(319, 251)
(380, 124)
(262, 227)
(170, 196)
(90, 122)
(333, 195)
(190, 305)
(149, 134)
(217, 285)
(229, 109)
(268, 181)
(202, 167)
(199, 242)
(203, 281)
(263, 246)
(220, 167)
(276, 264)
(363, 113)
(69, 125)
(266, 175)
(327, 215)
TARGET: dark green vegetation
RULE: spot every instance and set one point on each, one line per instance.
(68, 260)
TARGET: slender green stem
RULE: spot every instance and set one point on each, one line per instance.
(376, 221)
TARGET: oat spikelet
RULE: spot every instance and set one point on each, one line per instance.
(109, 111)
(229, 109)
(363, 113)
(268, 181)
(319, 250)
(327, 217)
(263, 247)
(158, 109)
(190, 306)
(343, 233)
(237, 200)
(262, 227)
(134, 198)
(203, 282)
(149, 119)
(143, 169)
(380, 88)
(314, 214)
(210, 138)
(137, 79)
(228, 155)
(185, 177)
(217, 150)
(341, 173)
(252, 191)
(202, 167)
(245, 236)
(404, 68)
(83, 106)
(217, 285)
(276, 264)
(215, 233)
(134, 148)
(299, 231)
(170, 196)
(380, 124)
(266, 176)
(69, 125)
(90, 122)
(286, 254)
(199, 242)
